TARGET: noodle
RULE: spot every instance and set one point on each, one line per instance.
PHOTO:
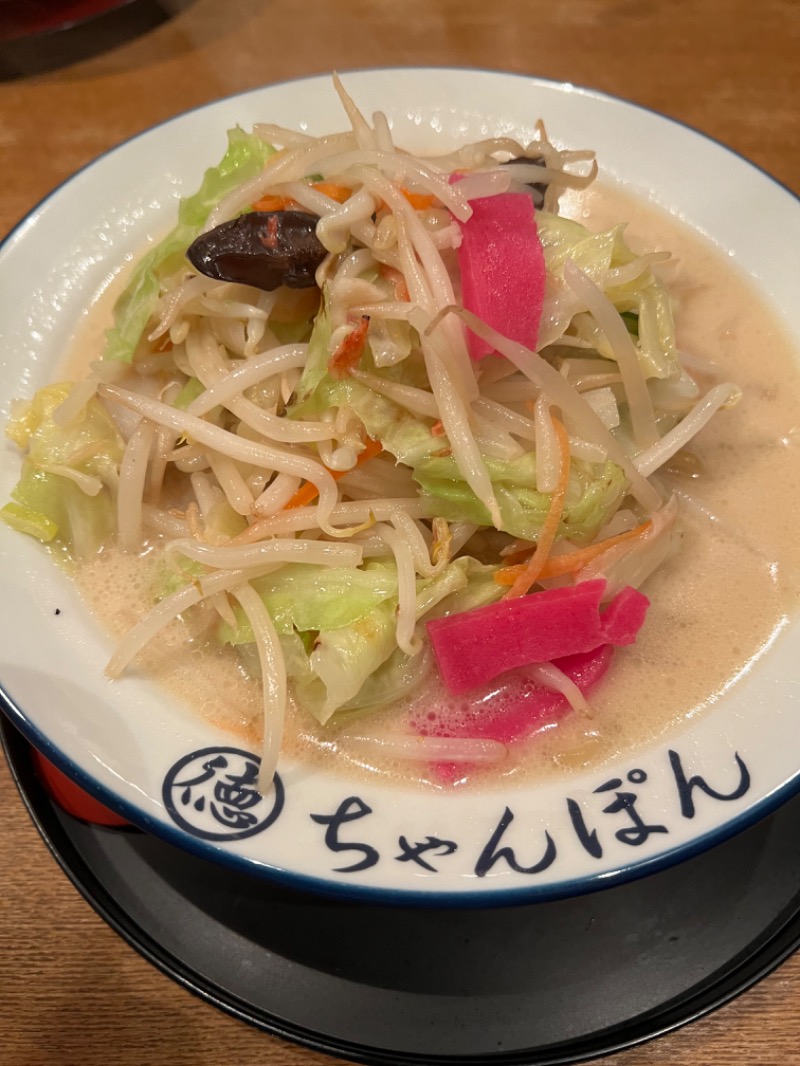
(132, 476)
(273, 671)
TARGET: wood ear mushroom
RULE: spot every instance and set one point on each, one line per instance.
(265, 249)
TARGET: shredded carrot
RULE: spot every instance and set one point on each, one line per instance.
(420, 201)
(558, 565)
(532, 570)
(437, 429)
(274, 203)
(349, 352)
(339, 193)
(308, 492)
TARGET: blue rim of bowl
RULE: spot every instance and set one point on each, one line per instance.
(491, 897)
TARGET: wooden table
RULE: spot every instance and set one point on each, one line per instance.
(72, 992)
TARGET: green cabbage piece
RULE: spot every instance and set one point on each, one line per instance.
(479, 589)
(398, 676)
(645, 297)
(46, 502)
(563, 239)
(337, 628)
(166, 578)
(403, 435)
(343, 659)
(244, 159)
(191, 390)
(306, 597)
(315, 370)
(594, 494)
(361, 666)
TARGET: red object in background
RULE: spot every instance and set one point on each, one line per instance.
(38, 16)
(71, 797)
(39, 36)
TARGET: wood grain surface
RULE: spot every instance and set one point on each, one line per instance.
(71, 992)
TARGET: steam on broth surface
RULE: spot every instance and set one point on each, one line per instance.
(716, 603)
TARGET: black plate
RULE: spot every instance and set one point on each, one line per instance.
(545, 983)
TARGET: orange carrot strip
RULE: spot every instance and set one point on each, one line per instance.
(274, 203)
(558, 565)
(339, 193)
(532, 570)
(308, 492)
(420, 201)
(349, 352)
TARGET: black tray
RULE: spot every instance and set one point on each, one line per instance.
(543, 983)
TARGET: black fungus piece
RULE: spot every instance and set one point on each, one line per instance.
(538, 188)
(264, 249)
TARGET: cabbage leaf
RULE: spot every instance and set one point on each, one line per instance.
(593, 495)
(66, 493)
(306, 598)
(244, 159)
(643, 298)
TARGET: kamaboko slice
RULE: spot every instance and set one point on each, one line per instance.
(501, 261)
(475, 646)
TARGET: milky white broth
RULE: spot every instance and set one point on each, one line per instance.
(715, 604)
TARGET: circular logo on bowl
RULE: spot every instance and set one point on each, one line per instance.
(213, 794)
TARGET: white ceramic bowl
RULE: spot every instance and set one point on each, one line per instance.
(135, 749)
